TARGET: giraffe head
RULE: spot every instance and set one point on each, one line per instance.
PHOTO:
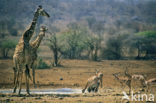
(43, 29)
(42, 12)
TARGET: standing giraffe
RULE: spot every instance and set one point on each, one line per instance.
(33, 50)
(21, 54)
(32, 57)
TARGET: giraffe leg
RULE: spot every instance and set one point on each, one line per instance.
(20, 82)
(27, 79)
(33, 73)
(16, 78)
(15, 69)
(15, 74)
(16, 82)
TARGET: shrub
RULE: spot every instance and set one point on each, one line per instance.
(42, 64)
(6, 46)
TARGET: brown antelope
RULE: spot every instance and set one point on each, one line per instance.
(139, 77)
(93, 83)
(149, 83)
(124, 81)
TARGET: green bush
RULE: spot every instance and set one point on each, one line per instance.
(6, 46)
(42, 64)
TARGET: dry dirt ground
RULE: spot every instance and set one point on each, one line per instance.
(75, 74)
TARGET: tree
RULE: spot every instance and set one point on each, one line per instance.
(114, 46)
(145, 44)
(74, 43)
(53, 45)
(6, 46)
(55, 48)
(148, 40)
(93, 45)
(74, 39)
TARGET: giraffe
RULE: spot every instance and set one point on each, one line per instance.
(33, 50)
(21, 54)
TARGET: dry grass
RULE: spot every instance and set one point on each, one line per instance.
(74, 74)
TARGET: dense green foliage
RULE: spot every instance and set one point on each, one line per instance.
(148, 34)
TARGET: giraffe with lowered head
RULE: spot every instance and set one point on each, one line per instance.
(22, 50)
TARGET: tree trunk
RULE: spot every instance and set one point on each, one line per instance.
(5, 53)
(95, 54)
(139, 52)
(55, 57)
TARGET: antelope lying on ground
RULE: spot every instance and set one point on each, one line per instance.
(93, 83)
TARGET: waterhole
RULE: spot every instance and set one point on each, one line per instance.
(45, 91)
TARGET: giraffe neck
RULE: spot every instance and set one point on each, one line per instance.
(29, 32)
(33, 24)
(36, 43)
